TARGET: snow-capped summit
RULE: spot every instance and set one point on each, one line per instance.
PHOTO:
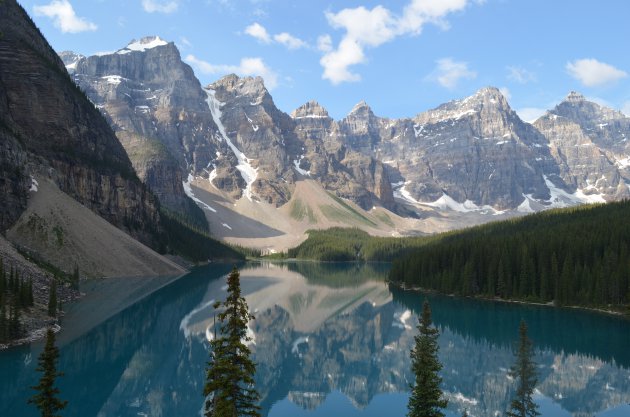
(148, 42)
(70, 60)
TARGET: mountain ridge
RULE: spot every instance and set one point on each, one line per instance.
(470, 157)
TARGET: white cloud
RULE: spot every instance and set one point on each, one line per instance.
(530, 114)
(366, 28)
(336, 62)
(506, 93)
(64, 18)
(289, 41)
(591, 72)
(520, 75)
(258, 32)
(448, 73)
(160, 6)
(247, 67)
(626, 108)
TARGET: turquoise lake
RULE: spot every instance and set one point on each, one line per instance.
(329, 340)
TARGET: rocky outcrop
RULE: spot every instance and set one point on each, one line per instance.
(474, 150)
(345, 168)
(70, 60)
(50, 127)
(589, 144)
(255, 127)
(468, 155)
(159, 112)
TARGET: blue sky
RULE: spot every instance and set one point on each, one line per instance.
(401, 56)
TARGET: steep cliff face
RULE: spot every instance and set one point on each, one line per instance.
(470, 156)
(589, 143)
(159, 112)
(341, 161)
(474, 151)
(52, 128)
(259, 134)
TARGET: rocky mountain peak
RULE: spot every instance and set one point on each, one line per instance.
(488, 102)
(148, 42)
(312, 109)
(491, 97)
(361, 109)
(574, 97)
(585, 112)
(246, 85)
(70, 60)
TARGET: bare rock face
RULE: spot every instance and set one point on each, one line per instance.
(70, 60)
(475, 150)
(159, 112)
(348, 169)
(473, 154)
(263, 134)
(590, 145)
(49, 125)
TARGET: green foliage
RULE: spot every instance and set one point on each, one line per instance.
(75, 278)
(193, 244)
(16, 294)
(229, 387)
(524, 372)
(577, 256)
(341, 245)
(426, 399)
(46, 396)
(349, 213)
(299, 211)
(4, 323)
(339, 275)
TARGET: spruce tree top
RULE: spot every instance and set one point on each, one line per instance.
(426, 399)
(46, 396)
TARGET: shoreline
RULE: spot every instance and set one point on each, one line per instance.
(550, 304)
(88, 310)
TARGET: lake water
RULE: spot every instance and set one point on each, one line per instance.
(330, 340)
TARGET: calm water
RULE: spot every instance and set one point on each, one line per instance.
(330, 340)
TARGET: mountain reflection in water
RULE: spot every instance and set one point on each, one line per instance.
(329, 339)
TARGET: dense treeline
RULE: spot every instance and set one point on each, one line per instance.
(343, 245)
(577, 256)
(16, 294)
(193, 243)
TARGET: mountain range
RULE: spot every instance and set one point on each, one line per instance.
(263, 176)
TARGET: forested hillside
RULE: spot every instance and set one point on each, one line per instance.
(342, 245)
(577, 256)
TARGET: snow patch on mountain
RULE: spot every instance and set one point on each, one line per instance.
(189, 192)
(526, 206)
(248, 172)
(142, 45)
(296, 164)
(560, 198)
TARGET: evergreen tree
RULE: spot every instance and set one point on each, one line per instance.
(74, 280)
(3, 280)
(15, 327)
(4, 325)
(229, 387)
(46, 398)
(426, 398)
(52, 299)
(524, 372)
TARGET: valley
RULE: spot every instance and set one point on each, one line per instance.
(329, 211)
